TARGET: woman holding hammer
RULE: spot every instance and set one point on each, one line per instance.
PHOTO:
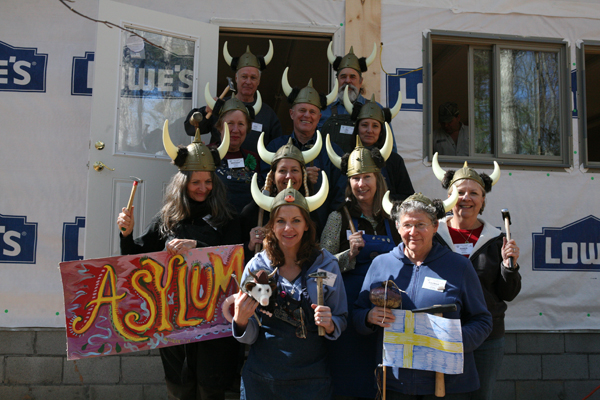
(356, 234)
(467, 234)
(194, 214)
(287, 358)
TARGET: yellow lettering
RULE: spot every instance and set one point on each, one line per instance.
(132, 317)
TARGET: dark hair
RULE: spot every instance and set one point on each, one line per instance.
(271, 185)
(377, 198)
(307, 245)
(380, 140)
(176, 203)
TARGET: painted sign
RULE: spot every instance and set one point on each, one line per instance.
(423, 341)
(410, 82)
(18, 240)
(22, 69)
(122, 304)
(574, 247)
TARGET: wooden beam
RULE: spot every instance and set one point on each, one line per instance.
(363, 28)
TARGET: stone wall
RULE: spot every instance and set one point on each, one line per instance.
(545, 366)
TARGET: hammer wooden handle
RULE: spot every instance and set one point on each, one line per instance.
(349, 218)
(440, 385)
(132, 195)
(208, 114)
(321, 301)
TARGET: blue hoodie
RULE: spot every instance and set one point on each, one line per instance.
(462, 288)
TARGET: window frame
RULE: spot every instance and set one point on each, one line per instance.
(582, 104)
(496, 43)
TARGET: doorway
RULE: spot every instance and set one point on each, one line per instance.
(305, 54)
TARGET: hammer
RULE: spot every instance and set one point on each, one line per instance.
(319, 276)
(136, 181)
(438, 310)
(225, 91)
(506, 218)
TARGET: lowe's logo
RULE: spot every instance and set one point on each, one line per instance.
(575, 247)
(18, 240)
(82, 75)
(72, 238)
(410, 83)
(22, 69)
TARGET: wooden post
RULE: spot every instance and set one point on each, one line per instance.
(363, 28)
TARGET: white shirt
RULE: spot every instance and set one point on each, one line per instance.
(444, 144)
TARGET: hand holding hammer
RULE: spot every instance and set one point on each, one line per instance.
(319, 276)
(509, 248)
(125, 218)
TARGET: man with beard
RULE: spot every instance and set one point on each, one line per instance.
(453, 137)
(248, 69)
(307, 105)
(335, 120)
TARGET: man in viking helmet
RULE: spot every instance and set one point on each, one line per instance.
(248, 70)
(335, 119)
(307, 105)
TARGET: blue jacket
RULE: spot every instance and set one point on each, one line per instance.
(462, 288)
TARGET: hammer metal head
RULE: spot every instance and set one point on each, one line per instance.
(437, 309)
(505, 215)
(318, 275)
(230, 84)
(135, 179)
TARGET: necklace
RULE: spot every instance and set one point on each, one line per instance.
(466, 238)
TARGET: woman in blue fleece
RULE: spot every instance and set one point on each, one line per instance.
(287, 358)
(417, 265)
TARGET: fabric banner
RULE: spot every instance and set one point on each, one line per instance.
(423, 341)
(122, 304)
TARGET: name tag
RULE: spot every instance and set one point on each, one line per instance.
(235, 163)
(256, 127)
(349, 232)
(347, 129)
(330, 280)
(464, 248)
(434, 284)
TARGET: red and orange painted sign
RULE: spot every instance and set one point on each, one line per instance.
(140, 302)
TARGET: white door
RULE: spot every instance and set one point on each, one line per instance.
(136, 87)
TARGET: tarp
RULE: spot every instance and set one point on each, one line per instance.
(46, 70)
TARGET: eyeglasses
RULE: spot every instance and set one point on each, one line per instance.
(420, 226)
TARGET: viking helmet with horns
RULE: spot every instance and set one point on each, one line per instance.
(196, 156)
(451, 177)
(307, 94)
(290, 197)
(350, 60)
(361, 160)
(248, 59)
(441, 207)
(289, 151)
(233, 103)
(371, 109)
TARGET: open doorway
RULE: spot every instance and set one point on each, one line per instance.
(305, 54)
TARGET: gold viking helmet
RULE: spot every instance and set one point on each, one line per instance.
(371, 109)
(288, 150)
(308, 94)
(232, 103)
(360, 160)
(199, 156)
(290, 196)
(248, 59)
(465, 173)
(350, 60)
(449, 203)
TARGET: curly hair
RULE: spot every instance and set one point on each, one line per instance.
(307, 245)
(434, 211)
(176, 203)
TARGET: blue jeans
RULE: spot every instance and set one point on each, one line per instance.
(488, 359)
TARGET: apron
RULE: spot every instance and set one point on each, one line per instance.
(353, 356)
(288, 359)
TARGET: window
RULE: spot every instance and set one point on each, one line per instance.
(511, 99)
(588, 67)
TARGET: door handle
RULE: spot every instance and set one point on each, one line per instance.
(99, 166)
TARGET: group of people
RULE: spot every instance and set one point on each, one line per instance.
(329, 220)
